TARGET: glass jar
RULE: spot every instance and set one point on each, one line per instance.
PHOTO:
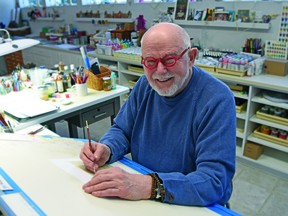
(43, 92)
(107, 84)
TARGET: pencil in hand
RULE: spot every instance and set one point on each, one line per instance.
(89, 140)
(89, 137)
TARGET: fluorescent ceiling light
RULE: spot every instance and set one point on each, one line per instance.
(10, 46)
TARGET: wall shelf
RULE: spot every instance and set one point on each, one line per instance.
(224, 24)
(51, 19)
(109, 20)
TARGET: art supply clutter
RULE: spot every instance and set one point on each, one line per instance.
(80, 76)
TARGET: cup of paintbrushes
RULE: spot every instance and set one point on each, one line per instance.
(81, 89)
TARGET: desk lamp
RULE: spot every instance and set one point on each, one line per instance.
(10, 46)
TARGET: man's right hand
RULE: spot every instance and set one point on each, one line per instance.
(95, 157)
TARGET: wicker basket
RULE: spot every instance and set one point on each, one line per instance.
(22, 31)
(12, 60)
(96, 81)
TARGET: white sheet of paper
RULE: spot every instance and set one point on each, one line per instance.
(70, 166)
(18, 205)
(4, 184)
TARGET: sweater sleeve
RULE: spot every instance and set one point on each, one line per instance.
(118, 137)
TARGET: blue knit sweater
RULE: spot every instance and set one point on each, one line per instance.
(189, 140)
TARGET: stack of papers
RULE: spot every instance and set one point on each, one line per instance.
(23, 107)
(30, 109)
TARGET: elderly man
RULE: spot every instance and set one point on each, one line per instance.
(178, 121)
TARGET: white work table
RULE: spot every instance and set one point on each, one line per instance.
(92, 107)
(30, 162)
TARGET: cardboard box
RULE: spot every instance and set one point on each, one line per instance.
(253, 150)
(276, 67)
(121, 34)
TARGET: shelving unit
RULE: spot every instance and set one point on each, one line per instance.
(51, 19)
(109, 20)
(224, 24)
(275, 156)
(185, 19)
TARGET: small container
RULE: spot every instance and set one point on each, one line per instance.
(50, 88)
(278, 112)
(283, 113)
(265, 129)
(282, 135)
(272, 110)
(274, 132)
(264, 109)
(43, 92)
(107, 84)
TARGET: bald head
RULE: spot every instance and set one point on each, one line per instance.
(166, 32)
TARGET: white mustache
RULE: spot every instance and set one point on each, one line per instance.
(162, 78)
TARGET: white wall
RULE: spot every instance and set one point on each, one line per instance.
(6, 6)
(209, 37)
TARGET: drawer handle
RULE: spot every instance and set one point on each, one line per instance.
(102, 114)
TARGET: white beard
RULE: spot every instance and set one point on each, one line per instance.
(173, 89)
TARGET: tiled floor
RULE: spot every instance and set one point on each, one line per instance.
(256, 192)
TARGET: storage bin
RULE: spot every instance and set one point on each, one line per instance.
(95, 81)
(253, 150)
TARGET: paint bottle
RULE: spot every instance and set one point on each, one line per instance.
(282, 135)
(113, 80)
(59, 82)
(274, 132)
(225, 63)
(220, 63)
(265, 129)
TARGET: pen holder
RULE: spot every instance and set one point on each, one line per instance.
(95, 81)
(81, 89)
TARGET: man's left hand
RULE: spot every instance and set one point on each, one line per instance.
(115, 182)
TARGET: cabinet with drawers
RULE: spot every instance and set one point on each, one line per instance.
(93, 114)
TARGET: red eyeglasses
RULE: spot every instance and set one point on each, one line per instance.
(167, 61)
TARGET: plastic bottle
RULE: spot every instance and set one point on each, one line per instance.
(220, 63)
(59, 83)
(225, 63)
(113, 80)
(72, 72)
(65, 82)
(66, 78)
